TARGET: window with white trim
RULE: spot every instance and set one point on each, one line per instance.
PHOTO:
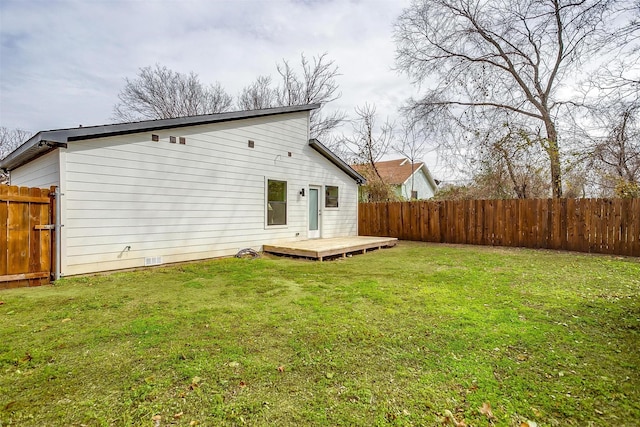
(276, 202)
(331, 196)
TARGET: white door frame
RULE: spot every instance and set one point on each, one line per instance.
(315, 234)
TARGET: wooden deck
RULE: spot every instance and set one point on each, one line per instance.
(322, 248)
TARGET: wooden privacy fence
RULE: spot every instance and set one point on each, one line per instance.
(25, 236)
(610, 226)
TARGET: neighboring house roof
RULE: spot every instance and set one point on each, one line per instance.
(397, 172)
(45, 141)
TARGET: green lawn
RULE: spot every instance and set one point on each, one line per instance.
(395, 337)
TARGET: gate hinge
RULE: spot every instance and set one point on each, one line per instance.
(45, 227)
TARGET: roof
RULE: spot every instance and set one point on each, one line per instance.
(45, 141)
(320, 148)
(396, 172)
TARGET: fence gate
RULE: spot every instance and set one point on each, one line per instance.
(26, 215)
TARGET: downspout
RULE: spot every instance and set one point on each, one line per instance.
(58, 229)
(58, 196)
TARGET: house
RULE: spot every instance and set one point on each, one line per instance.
(189, 188)
(409, 181)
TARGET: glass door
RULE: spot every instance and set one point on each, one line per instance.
(314, 213)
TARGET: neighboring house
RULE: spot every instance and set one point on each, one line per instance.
(409, 181)
(189, 188)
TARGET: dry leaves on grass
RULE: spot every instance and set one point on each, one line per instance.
(195, 383)
(449, 419)
(486, 410)
(156, 420)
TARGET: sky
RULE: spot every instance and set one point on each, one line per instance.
(62, 63)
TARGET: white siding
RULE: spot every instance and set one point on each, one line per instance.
(420, 184)
(200, 200)
(42, 172)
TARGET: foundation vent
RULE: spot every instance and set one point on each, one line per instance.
(152, 260)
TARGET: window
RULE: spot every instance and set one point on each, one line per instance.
(330, 196)
(276, 202)
(414, 194)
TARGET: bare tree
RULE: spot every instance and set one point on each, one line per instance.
(616, 156)
(504, 162)
(160, 93)
(368, 142)
(258, 95)
(604, 121)
(513, 159)
(514, 149)
(510, 56)
(411, 144)
(10, 139)
(489, 146)
(366, 145)
(617, 79)
(618, 76)
(495, 178)
(314, 83)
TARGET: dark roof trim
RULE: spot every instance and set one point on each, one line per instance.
(42, 141)
(320, 148)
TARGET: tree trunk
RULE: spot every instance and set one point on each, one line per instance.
(521, 190)
(554, 158)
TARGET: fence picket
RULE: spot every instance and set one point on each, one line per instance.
(543, 224)
(586, 220)
(625, 211)
(34, 235)
(437, 222)
(635, 227)
(4, 232)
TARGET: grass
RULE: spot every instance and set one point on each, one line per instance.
(394, 337)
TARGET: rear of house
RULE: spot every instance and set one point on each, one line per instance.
(176, 190)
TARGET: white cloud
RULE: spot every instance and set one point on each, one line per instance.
(62, 63)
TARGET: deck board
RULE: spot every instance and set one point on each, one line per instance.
(322, 248)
